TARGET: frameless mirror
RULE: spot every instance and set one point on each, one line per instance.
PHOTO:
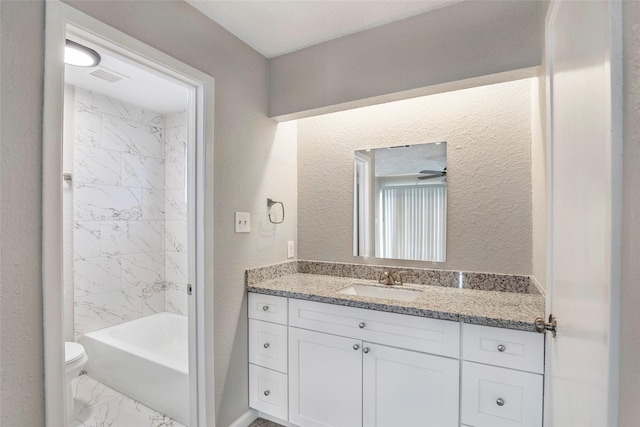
(400, 202)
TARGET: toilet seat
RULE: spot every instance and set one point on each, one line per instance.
(75, 359)
(72, 352)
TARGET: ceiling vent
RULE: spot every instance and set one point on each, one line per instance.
(108, 75)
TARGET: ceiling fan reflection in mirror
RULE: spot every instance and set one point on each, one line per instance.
(433, 174)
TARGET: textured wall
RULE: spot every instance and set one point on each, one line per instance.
(461, 41)
(488, 134)
(630, 300)
(21, 96)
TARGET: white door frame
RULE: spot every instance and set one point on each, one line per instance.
(60, 19)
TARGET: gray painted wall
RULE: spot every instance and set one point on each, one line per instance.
(21, 95)
(488, 134)
(630, 299)
(465, 40)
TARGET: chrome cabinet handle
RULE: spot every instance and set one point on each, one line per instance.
(267, 392)
(356, 346)
(501, 348)
(362, 325)
(266, 345)
(365, 350)
(265, 307)
(500, 402)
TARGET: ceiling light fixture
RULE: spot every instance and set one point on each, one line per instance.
(79, 55)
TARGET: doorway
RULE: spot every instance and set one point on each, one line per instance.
(124, 230)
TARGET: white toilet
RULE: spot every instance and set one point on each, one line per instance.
(75, 359)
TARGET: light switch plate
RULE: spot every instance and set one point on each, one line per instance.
(243, 222)
(290, 249)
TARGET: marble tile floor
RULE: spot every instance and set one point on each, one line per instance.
(101, 406)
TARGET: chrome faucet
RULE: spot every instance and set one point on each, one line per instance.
(390, 278)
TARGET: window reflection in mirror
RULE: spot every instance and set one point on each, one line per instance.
(400, 202)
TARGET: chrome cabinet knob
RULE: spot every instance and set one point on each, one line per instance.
(365, 350)
(265, 307)
(267, 392)
(356, 346)
(500, 402)
(266, 345)
(501, 348)
(362, 325)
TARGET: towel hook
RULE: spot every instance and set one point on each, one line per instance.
(270, 203)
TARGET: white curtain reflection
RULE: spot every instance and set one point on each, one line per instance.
(413, 222)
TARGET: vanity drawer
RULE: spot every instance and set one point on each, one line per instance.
(503, 347)
(268, 391)
(268, 345)
(268, 307)
(500, 397)
(397, 330)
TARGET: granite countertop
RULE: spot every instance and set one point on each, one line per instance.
(491, 308)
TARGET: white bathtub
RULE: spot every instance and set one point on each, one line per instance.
(145, 359)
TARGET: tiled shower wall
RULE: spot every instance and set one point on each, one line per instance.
(129, 227)
(175, 215)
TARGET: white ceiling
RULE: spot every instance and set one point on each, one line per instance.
(138, 85)
(274, 28)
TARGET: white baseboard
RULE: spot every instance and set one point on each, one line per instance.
(245, 419)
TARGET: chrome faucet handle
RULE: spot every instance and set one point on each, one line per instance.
(387, 278)
(384, 276)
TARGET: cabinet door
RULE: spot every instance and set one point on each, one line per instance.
(268, 391)
(405, 388)
(269, 308)
(268, 345)
(506, 348)
(500, 397)
(325, 379)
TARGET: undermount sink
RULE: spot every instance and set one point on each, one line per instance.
(379, 292)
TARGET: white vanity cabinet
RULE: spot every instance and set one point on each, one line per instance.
(268, 363)
(366, 375)
(333, 365)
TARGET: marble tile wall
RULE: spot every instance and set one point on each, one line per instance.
(175, 215)
(67, 207)
(121, 208)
